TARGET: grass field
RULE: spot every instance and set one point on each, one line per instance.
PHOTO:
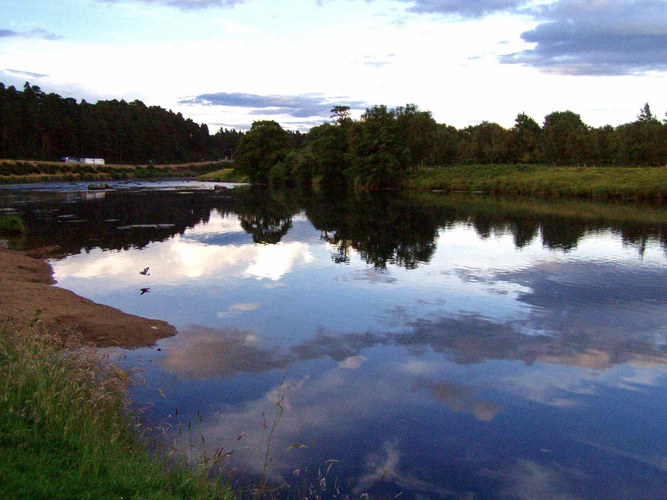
(19, 172)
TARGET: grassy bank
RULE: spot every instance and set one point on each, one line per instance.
(224, 175)
(535, 180)
(64, 432)
(23, 172)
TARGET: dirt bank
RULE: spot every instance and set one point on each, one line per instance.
(26, 289)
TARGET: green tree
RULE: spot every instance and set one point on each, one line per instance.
(644, 141)
(604, 145)
(376, 149)
(645, 115)
(266, 144)
(340, 114)
(526, 134)
(446, 145)
(328, 146)
(418, 133)
(564, 139)
(486, 143)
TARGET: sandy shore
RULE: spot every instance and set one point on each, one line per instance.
(26, 290)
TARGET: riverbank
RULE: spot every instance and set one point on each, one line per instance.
(27, 293)
(228, 174)
(65, 431)
(25, 172)
(641, 183)
(546, 181)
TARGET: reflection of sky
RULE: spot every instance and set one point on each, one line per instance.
(528, 373)
(194, 255)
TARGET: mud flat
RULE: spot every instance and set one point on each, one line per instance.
(27, 291)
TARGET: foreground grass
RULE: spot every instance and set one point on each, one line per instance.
(64, 432)
(536, 180)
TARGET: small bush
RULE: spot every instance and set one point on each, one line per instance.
(11, 225)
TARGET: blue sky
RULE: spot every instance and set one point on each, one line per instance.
(230, 62)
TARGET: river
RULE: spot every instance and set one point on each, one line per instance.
(427, 345)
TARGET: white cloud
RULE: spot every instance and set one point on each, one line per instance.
(234, 28)
(181, 259)
(352, 363)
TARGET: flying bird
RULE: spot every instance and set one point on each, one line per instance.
(145, 290)
(145, 272)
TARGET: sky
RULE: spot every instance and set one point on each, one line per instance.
(228, 63)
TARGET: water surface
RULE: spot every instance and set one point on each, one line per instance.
(432, 345)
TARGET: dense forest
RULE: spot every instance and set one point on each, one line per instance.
(379, 148)
(39, 126)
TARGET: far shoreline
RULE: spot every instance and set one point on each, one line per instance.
(536, 180)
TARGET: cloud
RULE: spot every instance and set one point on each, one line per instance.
(566, 326)
(384, 465)
(299, 106)
(23, 74)
(35, 33)
(352, 363)
(234, 28)
(463, 8)
(312, 408)
(528, 479)
(375, 62)
(459, 398)
(184, 4)
(616, 37)
(576, 37)
(244, 307)
(207, 353)
(184, 259)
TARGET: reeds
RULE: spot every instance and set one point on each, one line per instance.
(65, 431)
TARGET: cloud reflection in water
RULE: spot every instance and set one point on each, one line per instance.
(188, 257)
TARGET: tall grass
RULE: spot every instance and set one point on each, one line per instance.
(65, 432)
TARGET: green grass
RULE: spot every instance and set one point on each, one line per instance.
(11, 225)
(224, 175)
(64, 431)
(536, 180)
(19, 172)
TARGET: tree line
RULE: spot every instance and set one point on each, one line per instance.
(39, 126)
(385, 145)
(379, 148)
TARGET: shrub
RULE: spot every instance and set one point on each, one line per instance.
(11, 225)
